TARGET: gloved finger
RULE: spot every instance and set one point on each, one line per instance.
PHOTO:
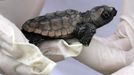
(121, 44)
(57, 50)
(6, 43)
(128, 70)
(12, 68)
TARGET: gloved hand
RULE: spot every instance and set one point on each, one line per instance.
(18, 57)
(108, 55)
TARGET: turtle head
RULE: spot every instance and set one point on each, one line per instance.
(101, 15)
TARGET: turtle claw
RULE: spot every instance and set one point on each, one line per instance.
(85, 41)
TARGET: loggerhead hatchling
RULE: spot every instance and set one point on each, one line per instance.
(68, 24)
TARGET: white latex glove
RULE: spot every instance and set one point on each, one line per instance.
(114, 53)
(18, 57)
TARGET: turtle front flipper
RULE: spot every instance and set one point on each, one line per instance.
(85, 33)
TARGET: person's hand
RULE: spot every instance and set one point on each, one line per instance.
(18, 57)
(108, 55)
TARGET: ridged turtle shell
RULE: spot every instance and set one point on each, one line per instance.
(56, 24)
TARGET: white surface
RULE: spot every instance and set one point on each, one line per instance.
(72, 67)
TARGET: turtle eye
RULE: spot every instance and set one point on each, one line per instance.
(105, 14)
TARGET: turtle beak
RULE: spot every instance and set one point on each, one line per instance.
(113, 11)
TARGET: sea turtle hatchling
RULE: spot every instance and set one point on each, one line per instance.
(68, 24)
